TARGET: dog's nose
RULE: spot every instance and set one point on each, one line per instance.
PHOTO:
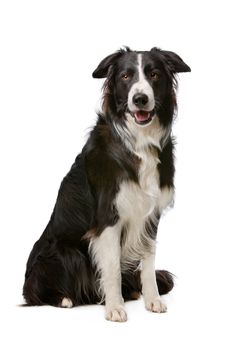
(140, 100)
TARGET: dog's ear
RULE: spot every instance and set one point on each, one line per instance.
(102, 70)
(176, 64)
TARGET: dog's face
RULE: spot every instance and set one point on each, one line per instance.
(138, 82)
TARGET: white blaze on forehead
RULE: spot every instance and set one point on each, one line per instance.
(141, 86)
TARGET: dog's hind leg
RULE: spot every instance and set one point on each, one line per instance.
(44, 284)
(60, 277)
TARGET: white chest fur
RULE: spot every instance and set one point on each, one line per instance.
(137, 203)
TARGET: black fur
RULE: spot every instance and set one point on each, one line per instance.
(59, 264)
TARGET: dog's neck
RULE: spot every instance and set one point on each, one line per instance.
(137, 138)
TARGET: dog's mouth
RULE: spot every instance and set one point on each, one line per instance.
(142, 117)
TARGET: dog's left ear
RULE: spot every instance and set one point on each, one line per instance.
(176, 63)
(102, 70)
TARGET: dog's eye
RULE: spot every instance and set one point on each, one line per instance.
(154, 75)
(125, 76)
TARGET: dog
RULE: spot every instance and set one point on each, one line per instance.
(99, 245)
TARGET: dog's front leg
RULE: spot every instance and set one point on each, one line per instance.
(150, 291)
(106, 251)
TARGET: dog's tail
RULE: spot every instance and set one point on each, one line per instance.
(132, 287)
(165, 281)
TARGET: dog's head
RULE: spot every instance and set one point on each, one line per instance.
(140, 84)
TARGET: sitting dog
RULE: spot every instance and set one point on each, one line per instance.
(99, 245)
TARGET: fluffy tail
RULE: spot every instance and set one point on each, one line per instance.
(165, 281)
(132, 288)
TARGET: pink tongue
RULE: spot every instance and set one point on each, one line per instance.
(142, 116)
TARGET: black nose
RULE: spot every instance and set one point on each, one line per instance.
(140, 100)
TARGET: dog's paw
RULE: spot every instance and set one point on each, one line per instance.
(66, 302)
(116, 314)
(156, 305)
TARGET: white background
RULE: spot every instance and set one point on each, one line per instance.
(47, 104)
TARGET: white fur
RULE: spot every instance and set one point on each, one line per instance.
(67, 303)
(150, 291)
(106, 252)
(137, 137)
(141, 137)
(141, 86)
(135, 204)
(138, 203)
(165, 198)
(123, 134)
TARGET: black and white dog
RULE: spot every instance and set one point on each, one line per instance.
(99, 245)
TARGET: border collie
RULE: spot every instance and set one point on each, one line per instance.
(99, 245)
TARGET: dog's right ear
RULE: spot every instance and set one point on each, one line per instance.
(102, 70)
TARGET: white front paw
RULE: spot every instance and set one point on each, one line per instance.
(155, 305)
(116, 314)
